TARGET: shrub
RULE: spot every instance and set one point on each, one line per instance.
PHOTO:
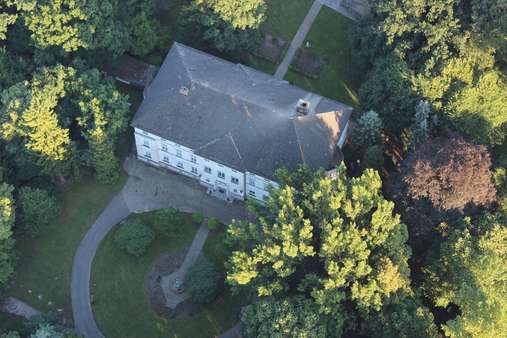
(37, 209)
(133, 237)
(197, 217)
(168, 222)
(213, 223)
(368, 131)
(203, 281)
(373, 157)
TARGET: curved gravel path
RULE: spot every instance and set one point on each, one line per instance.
(116, 211)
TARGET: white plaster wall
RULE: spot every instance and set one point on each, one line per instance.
(210, 178)
(259, 186)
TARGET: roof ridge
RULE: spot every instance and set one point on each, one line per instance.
(179, 46)
(237, 149)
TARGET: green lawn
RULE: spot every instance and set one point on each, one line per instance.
(9, 323)
(283, 18)
(120, 306)
(45, 262)
(329, 39)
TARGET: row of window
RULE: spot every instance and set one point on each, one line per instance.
(179, 153)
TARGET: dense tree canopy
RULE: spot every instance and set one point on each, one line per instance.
(290, 317)
(241, 14)
(7, 213)
(40, 114)
(434, 53)
(6, 19)
(72, 24)
(471, 273)
(335, 240)
(29, 113)
(203, 23)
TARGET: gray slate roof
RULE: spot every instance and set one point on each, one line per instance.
(238, 116)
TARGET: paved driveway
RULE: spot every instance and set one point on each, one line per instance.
(146, 189)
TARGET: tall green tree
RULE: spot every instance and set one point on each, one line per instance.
(6, 19)
(203, 23)
(241, 14)
(30, 114)
(389, 90)
(471, 273)
(288, 317)
(103, 116)
(7, 214)
(336, 240)
(73, 25)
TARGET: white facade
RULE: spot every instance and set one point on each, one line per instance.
(224, 182)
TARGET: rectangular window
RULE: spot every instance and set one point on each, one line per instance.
(147, 154)
(235, 180)
(251, 193)
(193, 159)
(220, 174)
(180, 165)
(146, 143)
(164, 147)
(251, 181)
(178, 152)
(207, 170)
(194, 170)
(266, 186)
(166, 159)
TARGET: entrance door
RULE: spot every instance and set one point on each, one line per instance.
(221, 190)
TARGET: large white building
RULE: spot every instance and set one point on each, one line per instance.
(230, 126)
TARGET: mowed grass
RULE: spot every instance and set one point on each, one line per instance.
(329, 39)
(283, 17)
(45, 262)
(121, 307)
(282, 20)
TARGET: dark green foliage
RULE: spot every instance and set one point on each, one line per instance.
(373, 157)
(388, 91)
(133, 237)
(7, 217)
(500, 180)
(168, 222)
(431, 49)
(203, 282)
(197, 217)
(13, 69)
(470, 273)
(403, 317)
(36, 209)
(213, 223)
(289, 317)
(202, 23)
